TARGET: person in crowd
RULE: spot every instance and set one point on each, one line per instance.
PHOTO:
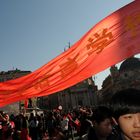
(101, 128)
(85, 122)
(2, 119)
(7, 127)
(65, 124)
(51, 125)
(40, 127)
(125, 106)
(33, 124)
(24, 130)
(18, 126)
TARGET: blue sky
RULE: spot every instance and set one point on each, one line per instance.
(33, 32)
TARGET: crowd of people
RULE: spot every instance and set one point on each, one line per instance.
(117, 120)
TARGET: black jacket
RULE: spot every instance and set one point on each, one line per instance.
(112, 136)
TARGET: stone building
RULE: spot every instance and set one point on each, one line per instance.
(128, 75)
(81, 94)
(12, 74)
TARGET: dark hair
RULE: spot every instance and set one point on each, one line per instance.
(101, 113)
(125, 102)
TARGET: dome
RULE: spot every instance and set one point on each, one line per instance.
(131, 63)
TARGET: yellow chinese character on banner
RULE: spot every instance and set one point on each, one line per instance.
(69, 66)
(131, 23)
(42, 83)
(99, 41)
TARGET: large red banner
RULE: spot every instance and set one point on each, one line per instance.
(112, 40)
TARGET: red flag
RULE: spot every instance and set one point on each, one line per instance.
(112, 40)
(26, 103)
(77, 122)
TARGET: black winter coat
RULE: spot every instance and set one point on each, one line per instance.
(114, 136)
